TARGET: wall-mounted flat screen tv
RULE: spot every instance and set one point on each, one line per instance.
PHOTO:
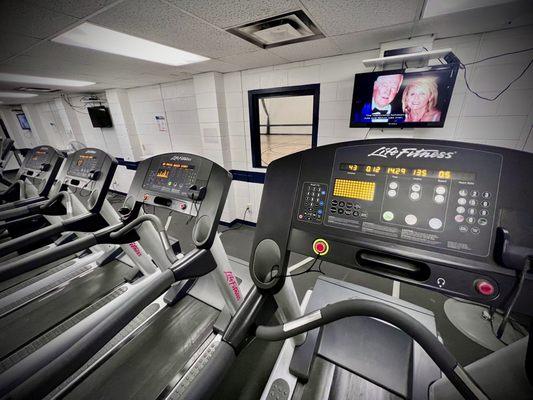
(401, 99)
(23, 121)
(100, 117)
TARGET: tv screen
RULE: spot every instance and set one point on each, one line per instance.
(400, 99)
(23, 121)
(100, 117)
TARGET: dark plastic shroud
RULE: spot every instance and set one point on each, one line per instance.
(280, 231)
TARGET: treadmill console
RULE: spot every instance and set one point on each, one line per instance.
(174, 175)
(87, 164)
(41, 166)
(184, 183)
(420, 211)
(423, 197)
(89, 172)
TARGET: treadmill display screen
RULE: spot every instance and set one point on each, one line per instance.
(38, 157)
(171, 177)
(85, 163)
(425, 200)
(416, 171)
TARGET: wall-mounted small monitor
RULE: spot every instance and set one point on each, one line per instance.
(400, 99)
(100, 117)
(23, 121)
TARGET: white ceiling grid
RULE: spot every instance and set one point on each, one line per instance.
(199, 26)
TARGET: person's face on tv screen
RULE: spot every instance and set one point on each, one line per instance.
(386, 88)
(418, 97)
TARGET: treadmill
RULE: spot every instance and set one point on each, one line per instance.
(6, 145)
(352, 204)
(79, 205)
(35, 178)
(34, 182)
(188, 311)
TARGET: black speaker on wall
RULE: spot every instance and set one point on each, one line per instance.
(100, 117)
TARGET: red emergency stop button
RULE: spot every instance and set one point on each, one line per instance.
(320, 247)
(484, 287)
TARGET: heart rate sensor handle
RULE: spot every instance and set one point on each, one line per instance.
(196, 194)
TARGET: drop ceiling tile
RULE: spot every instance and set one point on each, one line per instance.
(163, 23)
(307, 50)
(11, 44)
(74, 8)
(508, 15)
(337, 17)
(256, 59)
(372, 39)
(227, 13)
(29, 20)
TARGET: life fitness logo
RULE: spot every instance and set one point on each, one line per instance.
(230, 278)
(411, 152)
(136, 249)
(180, 158)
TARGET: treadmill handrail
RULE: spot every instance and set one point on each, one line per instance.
(368, 308)
(37, 374)
(22, 202)
(158, 225)
(72, 224)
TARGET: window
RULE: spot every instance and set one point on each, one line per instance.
(282, 121)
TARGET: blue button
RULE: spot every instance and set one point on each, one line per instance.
(319, 211)
(321, 202)
(323, 192)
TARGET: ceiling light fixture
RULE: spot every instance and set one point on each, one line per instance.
(94, 37)
(16, 95)
(43, 80)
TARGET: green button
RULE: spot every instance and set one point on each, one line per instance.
(388, 216)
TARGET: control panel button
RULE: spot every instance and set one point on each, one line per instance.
(410, 219)
(482, 221)
(388, 216)
(472, 211)
(474, 193)
(393, 185)
(459, 218)
(461, 201)
(392, 193)
(484, 287)
(414, 196)
(460, 210)
(472, 202)
(320, 247)
(183, 206)
(484, 213)
(435, 223)
(440, 190)
(485, 203)
(439, 199)
(485, 195)
(341, 203)
(470, 220)
(475, 230)
(463, 229)
(415, 187)
(463, 192)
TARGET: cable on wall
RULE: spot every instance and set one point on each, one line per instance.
(464, 65)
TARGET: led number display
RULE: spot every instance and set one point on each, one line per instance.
(361, 190)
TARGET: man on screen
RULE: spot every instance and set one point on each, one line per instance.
(382, 108)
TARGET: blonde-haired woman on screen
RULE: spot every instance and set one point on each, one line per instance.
(419, 101)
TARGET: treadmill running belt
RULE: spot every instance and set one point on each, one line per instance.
(39, 316)
(8, 285)
(147, 364)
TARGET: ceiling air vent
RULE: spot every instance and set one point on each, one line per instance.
(278, 31)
